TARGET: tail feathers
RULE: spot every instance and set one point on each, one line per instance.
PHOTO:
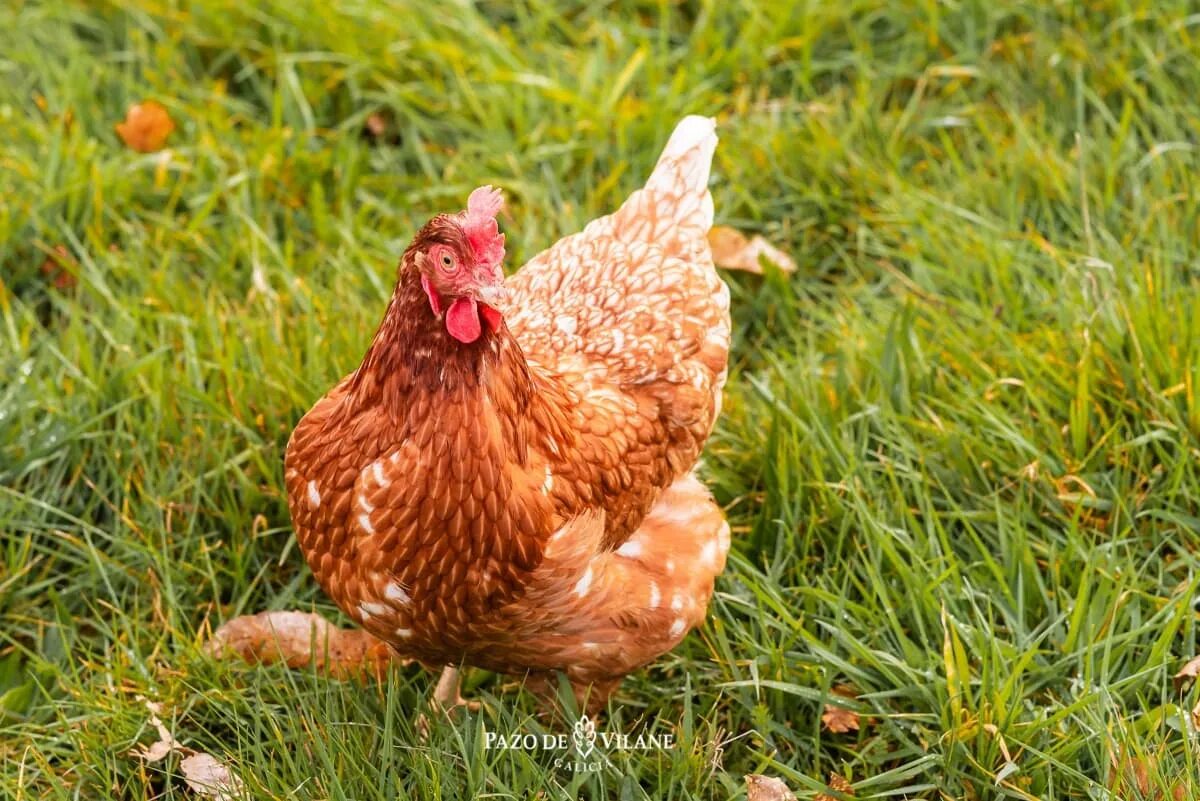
(681, 175)
(686, 160)
(674, 210)
(683, 169)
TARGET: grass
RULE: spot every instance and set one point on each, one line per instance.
(960, 447)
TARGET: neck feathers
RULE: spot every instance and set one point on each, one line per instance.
(413, 360)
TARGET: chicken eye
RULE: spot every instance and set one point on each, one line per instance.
(447, 262)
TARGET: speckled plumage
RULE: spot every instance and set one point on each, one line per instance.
(524, 501)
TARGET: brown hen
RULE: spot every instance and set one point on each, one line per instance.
(505, 481)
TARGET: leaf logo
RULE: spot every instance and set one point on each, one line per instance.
(583, 735)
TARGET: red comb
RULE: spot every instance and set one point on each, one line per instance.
(479, 223)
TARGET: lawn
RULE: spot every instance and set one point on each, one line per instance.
(960, 448)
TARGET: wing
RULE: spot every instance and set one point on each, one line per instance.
(630, 315)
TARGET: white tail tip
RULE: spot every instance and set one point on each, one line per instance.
(683, 168)
(692, 131)
(686, 160)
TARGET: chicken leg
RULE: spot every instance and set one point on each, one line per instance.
(447, 694)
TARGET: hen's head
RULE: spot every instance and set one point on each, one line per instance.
(458, 257)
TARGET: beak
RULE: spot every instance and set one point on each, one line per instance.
(494, 295)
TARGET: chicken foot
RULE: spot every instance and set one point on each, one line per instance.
(447, 695)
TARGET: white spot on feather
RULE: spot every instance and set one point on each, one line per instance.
(676, 602)
(364, 503)
(678, 626)
(711, 552)
(631, 549)
(395, 592)
(314, 495)
(404, 634)
(655, 596)
(364, 520)
(718, 337)
(585, 583)
(678, 514)
(377, 471)
(670, 565)
(566, 323)
(548, 484)
(369, 609)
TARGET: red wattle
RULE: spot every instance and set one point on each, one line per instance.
(462, 320)
(491, 315)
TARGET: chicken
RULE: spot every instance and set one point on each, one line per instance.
(505, 481)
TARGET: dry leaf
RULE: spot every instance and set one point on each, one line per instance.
(376, 125)
(766, 788)
(838, 719)
(146, 127)
(204, 773)
(1187, 672)
(1129, 774)
(209, 777)
(166, 742)
(838, 783)
(300, 639)
(733, 251)
(59, 267)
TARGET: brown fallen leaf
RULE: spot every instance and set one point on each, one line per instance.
(205, 774)
(766, 788)
(733, 251)
(838, 719)
(166, 742)
(838, 783)
(146, 127)
(1187, 674)
(299, 639)
(376, 125)
(60, 268)
(210, 777)
(1129, 778)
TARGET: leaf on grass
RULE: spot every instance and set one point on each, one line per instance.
(166, 742)
(204, 773)
(839, 719)
(210, 777)
(376, 125)
(839, 784)
(1129, 778)
(299, 639)
(1187, 673)
(766, 788)
(146, 127)
(60, 268)
(733, 251)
